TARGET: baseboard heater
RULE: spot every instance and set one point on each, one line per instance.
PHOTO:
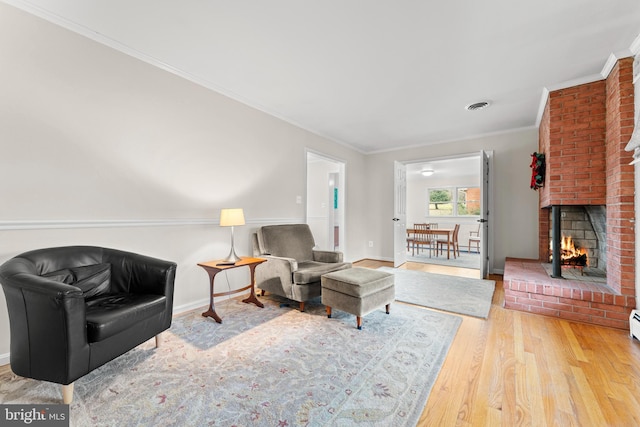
(634, 324)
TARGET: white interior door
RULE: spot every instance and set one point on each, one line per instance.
(484, 213)
(400, 215)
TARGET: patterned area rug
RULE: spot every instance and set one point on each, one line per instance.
(460, 295)
(265, 367)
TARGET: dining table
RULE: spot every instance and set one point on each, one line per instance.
(448, 232)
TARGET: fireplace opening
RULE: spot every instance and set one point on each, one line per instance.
(581, 235)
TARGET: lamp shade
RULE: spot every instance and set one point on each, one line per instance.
(231, 217)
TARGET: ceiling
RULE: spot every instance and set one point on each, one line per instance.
(372, 75)
(449, 168)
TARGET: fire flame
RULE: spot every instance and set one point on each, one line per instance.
(568, 250)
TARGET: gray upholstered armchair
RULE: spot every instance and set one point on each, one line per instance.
(294, 268)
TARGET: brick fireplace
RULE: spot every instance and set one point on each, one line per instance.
(589, 189)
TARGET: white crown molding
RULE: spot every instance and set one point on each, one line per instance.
(451, 140)
(609, 64)
(102, 39)
(633, 50)
(541, 107)
(635, 46)
(569, 83)
(128, 50)
(46, 224)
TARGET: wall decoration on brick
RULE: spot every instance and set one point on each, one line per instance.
(537, 170)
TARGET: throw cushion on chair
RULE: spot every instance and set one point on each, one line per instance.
(93, 280)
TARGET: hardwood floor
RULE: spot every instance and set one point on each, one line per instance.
(522, 369)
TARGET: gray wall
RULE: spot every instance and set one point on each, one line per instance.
(515, 215)
(102, 149)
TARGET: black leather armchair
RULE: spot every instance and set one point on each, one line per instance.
(73, 309)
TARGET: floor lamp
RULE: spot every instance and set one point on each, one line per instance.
(231, 218)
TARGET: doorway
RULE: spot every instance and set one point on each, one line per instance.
(325, 201)
(448, 193)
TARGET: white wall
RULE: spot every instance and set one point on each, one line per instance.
(515, 214)
(90, 134)
(91, 137)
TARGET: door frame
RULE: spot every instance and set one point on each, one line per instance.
(488, 238)
(332, 217)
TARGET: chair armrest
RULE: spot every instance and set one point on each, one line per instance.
(276, 273)
(327, 256)
(48, 328)
(279, 265)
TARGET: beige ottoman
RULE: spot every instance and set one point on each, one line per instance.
(357, 291)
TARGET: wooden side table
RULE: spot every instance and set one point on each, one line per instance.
(214, 267)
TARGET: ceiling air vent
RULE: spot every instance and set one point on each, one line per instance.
(477, 105)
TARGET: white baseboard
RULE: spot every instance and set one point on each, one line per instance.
(204, 302)
(4, 359)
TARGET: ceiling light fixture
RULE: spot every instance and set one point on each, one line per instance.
(478, 106)
(427, 172)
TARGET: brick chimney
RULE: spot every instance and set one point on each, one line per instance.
(583, 132)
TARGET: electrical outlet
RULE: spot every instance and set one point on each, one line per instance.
(299, 200)
(370, 243)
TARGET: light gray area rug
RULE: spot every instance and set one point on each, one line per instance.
(265, 367)
(464, 260)
(460, 295)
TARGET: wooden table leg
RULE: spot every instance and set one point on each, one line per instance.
(211, 312)
(252, 297)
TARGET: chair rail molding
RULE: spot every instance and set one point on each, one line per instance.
(42, 224)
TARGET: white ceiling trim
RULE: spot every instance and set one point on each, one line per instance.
(29, 7)
(606, 70)
(107, 41)
(448, 141)
(114, 44)
(635, 46)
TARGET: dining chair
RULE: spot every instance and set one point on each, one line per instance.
(422, 238)
(474, 237)
(454, 242)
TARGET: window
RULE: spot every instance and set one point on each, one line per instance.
(469, 201)
(440, 202)
(461, 201)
